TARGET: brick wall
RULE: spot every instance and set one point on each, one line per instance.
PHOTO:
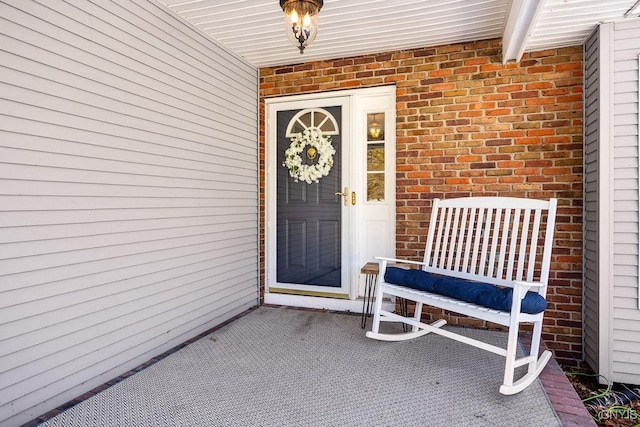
(468, 125)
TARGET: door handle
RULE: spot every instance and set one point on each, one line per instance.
(345, 196)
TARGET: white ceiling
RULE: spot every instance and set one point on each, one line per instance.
(254, 29)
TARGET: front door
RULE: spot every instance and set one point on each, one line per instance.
(330, 195)
(309, 198)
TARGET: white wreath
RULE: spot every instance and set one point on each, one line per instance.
(309, 173)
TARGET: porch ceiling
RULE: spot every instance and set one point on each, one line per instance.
(254, 29)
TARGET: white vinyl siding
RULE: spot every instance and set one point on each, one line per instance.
(612, 317)
(625, 314)
(128, 193)
(591, 200)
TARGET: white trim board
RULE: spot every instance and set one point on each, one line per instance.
(347, 305)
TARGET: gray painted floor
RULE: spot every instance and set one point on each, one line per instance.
(287, 367)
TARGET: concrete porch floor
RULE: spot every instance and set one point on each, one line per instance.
(554, 385)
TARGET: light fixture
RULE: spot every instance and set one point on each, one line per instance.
(301, 21)
(374, 128)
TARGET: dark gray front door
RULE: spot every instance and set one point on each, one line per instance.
(308, 216)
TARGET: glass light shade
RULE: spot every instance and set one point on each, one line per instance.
(301, 21)
(374, 131)
(375, 126)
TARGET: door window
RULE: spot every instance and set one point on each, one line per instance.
(375, 156)
(312, 118)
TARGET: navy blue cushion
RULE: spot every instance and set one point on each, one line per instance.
(483, 294)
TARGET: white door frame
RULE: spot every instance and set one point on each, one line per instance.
(353, 103)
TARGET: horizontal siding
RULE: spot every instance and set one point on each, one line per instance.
(128, 193)
(626, 316)
(591, 200)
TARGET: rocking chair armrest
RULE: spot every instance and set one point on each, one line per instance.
(527, 283)
(399, 261)
(521, 287)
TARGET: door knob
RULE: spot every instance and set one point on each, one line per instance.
(345, 195)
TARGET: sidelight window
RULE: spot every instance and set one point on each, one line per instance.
(375, 156)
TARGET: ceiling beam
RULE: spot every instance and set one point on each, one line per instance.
(523, 15)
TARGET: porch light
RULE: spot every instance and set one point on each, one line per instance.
(374, 129)
(301, 21)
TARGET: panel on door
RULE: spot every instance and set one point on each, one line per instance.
(308, 216)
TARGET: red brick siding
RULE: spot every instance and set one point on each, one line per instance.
(469, 125)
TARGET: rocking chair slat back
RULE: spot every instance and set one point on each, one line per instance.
(487, 239)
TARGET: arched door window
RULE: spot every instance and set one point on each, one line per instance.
(312, 118)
